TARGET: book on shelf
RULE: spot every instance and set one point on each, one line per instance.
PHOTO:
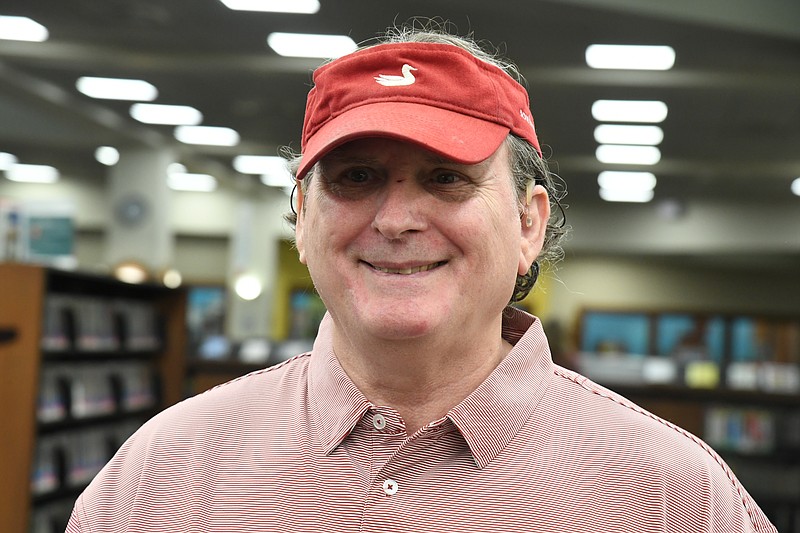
(138, 325)
(741, 430)
(87, 390)
(706, 350)
(93, 324)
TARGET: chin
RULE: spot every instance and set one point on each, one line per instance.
(402, 325)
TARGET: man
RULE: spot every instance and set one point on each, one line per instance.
(427, 403)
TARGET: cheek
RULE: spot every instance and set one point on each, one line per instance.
(328, 231)
(492, 239)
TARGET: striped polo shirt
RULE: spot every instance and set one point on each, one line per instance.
(297, 447)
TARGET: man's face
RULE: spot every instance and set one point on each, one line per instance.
(402, 244)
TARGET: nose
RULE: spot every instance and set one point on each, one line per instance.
(400, 209)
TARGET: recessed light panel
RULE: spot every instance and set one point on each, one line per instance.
(276, 6)
(629, 181)
(117, 89)
(207, 135)
(22, 29)
(630, 57)
(32, 173)
(628, 154)
(166, 114)
(258, 164)
(311, 45)
(7, 160)
(107, 155)
(611, 195)
(639, 111)
(626, 134)
(185, 181)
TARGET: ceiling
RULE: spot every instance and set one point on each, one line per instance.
(733, 130)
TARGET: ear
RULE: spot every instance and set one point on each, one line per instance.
(534, 224)
(299, 228)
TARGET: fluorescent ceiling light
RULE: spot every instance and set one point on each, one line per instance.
(258, 164)
(273, 169)
(630, 57)
(796, 186)
(7, 160)
(32, 173)
(311, 45)
(307, 7)
(619, 186)
(117, 88)
(277, 179)
(107, 155)
(22, 29)
(613, 195)
(624, 134)
(628, 154)
(651, 111)
(166, 114)
(176, 168)
(628, 181)
(185, 181)
(207, 135)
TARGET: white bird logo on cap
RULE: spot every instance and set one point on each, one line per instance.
(388, 80)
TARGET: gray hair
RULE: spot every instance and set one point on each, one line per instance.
(525, 162)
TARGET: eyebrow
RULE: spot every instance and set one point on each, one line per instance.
(340, 156)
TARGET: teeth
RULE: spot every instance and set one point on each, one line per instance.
(406, 271)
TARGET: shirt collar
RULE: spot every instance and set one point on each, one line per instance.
(336, 403)
(488, 418)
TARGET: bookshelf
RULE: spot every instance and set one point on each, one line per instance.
(84, 360)
(732, 379)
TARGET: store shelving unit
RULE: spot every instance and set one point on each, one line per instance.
(730, 378)
(84, 360)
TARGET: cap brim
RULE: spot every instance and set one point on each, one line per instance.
(449, 134)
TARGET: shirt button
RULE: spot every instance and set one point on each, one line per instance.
(390, 487)
(379, 421)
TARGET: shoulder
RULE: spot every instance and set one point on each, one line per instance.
(217, 421)
(204, 436)
(279, 379)
(260, 396)
(621, 416)
(627, 442)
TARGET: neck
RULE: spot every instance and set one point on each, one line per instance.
(420, 378)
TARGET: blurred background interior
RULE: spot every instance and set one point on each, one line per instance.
(144, 258)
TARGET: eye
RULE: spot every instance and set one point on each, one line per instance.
(351, 182)
(447, 178)
(357, 175)
(451, 185)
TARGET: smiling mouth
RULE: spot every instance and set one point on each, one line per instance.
(407, 271)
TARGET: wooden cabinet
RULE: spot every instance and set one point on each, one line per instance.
(84, 360)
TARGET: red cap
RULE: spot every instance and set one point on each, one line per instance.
(438, 96)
